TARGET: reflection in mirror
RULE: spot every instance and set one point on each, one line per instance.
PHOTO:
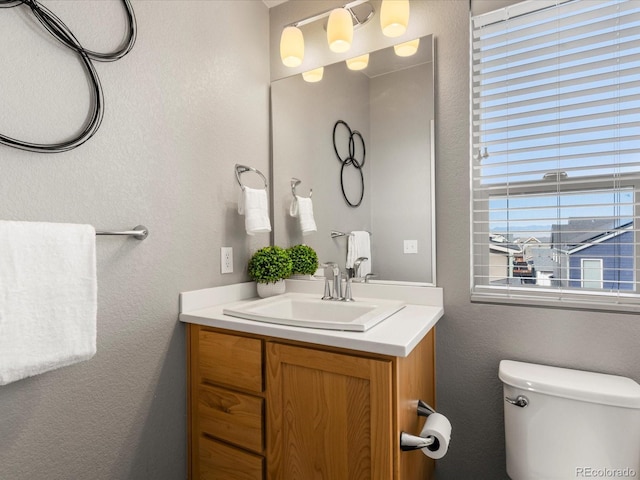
(390, 103)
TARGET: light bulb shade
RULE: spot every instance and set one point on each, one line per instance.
(313, 76)
(358, 63)
(292, 47)
(394, 17)
(339, 30)
(407, 49)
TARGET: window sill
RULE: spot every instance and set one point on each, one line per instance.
(545, 301)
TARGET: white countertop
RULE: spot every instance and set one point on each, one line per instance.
(396, 336)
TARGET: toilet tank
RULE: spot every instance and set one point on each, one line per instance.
(575, 424)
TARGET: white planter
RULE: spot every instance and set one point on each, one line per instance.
(270, 289)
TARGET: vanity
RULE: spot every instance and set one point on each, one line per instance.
(284, 400)
(272, 401)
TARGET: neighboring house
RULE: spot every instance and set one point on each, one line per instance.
(583, 253)
(501, 256)
(546, 264)
(604, 261)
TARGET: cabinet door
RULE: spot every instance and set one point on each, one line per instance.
(329, 415)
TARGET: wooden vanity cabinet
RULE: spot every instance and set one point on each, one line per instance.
(266, 408)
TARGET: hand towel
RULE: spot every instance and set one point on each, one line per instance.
(302, 207)
(359, 245)
(48, 289)
(254, 205)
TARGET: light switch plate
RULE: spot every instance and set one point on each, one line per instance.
(226, 259)
(411, 246)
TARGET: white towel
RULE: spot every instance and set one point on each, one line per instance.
(359, 245)
(48, 289)
(254, 205)
(302, 207)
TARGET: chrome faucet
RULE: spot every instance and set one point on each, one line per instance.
(356, 268)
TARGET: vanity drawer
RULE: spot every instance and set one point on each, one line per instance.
(230, 360)
(233, 417)
(222, 462)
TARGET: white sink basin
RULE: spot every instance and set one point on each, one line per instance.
(304, 310)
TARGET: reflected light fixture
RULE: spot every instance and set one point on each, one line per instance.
(340, 30)
(407, 49)
(394, 17)
(292, 46)
(313, 76)
(342, 21)
(358, 63)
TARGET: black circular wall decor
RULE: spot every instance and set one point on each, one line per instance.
(56, 27)
(350, 158)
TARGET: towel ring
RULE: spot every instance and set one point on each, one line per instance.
(294, 183)
(240, 169)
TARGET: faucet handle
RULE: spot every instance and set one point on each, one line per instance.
(327, 289)
(347, 291)
(368, 276)
(329, 268)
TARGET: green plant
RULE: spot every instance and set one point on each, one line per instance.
(270, 264)
(304, 258)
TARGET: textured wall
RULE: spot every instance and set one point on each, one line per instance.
(182, 108)
(473, 338)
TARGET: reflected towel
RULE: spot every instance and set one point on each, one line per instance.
(254, 205)
(302, 207)
(359, 245)
(48, 289)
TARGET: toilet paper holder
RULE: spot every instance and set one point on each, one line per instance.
(410, 442)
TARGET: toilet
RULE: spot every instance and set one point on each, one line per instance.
(569, 424)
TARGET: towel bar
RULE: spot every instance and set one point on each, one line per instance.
(336, 234)
(140, 232)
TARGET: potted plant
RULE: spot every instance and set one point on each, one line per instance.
(304, 260)
(269, 266)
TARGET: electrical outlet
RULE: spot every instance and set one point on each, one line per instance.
(410, 246)
(226, 259)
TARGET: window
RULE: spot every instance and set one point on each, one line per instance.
(556, 153)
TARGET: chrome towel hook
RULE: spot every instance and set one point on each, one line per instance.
(240, 169)
(294, 183)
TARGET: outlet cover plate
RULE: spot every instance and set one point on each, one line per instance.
(226, 259)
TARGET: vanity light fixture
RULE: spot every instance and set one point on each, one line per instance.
(292, 46)
(394, 17)
(313, 76)
(407, 49)
(342, 21)
(358, 63)
(340, 30)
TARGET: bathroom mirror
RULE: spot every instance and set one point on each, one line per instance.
(391, 104)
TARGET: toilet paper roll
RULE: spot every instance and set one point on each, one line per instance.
(439, 427)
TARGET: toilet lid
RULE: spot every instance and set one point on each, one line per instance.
(575, 384)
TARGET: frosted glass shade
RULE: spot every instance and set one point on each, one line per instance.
(313, 76)
(394, 17)
(407, 49)
(358, 63)
(292, 47)
(340, 30)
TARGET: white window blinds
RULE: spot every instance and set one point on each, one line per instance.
(556, 152)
